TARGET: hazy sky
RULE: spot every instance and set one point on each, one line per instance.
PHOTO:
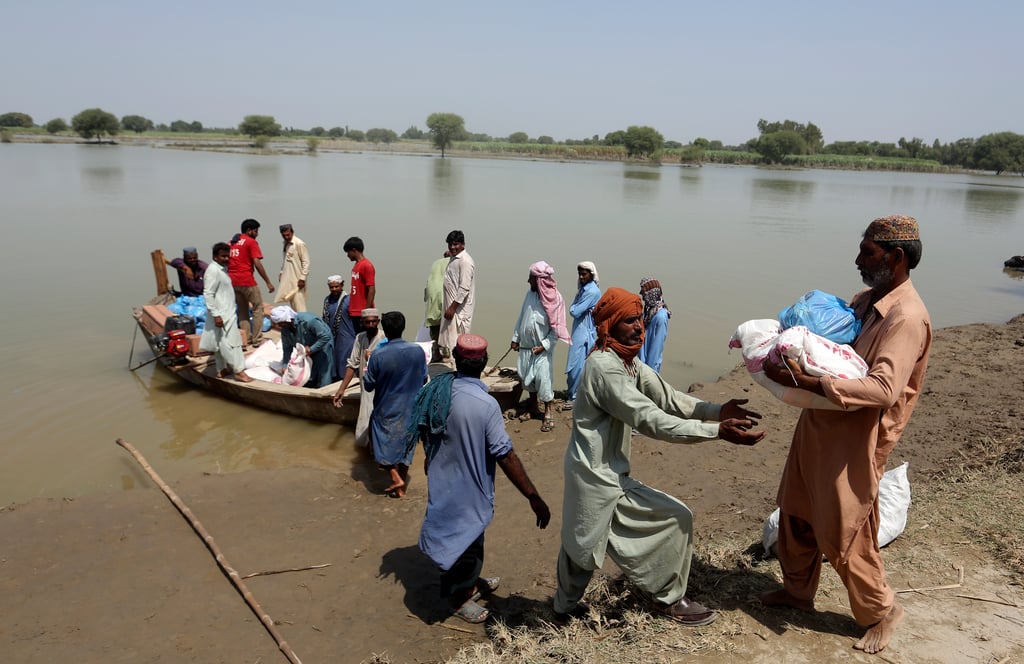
(859, 70)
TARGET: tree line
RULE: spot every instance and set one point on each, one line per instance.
(777, 141)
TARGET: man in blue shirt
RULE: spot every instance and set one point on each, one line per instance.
(464, 438)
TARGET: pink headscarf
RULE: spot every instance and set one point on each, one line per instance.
(551, 299)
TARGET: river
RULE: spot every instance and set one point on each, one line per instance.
(727, 243)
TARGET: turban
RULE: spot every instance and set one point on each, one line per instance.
(614, 306)
(335, 279)
(284, 227)
(470, 347)
(589, 267)
(894, 228)
(550, 298)
(282, 314)
(370, 313)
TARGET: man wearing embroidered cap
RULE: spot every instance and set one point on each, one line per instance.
(828, 496)
(647, 533)
(464, 438)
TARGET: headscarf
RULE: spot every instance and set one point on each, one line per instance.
(615, 305)
(650, 289)
(589, 267)
(894, 228)
(282, 314)
(551, 299)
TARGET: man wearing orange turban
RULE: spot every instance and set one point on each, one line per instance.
(647, 533)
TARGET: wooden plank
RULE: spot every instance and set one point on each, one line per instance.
(163, 285)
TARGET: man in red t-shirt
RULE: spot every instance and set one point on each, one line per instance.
(246, 256)
(363, 283)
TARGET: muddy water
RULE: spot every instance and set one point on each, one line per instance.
(728, 244)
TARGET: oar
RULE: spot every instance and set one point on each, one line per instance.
(497, 365)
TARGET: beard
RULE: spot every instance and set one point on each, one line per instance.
(880, 276)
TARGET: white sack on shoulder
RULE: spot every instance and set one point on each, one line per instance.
(893, 504)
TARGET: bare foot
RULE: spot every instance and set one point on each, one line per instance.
(878, 635)
(782, 598)
(243, 377)
(224, 373)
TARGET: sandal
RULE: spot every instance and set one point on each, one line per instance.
(472, 613)
(485, 586)
(578, 612)
(687, 612)
(567, 405)
(549, 425)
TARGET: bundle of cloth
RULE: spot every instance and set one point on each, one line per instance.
(759, 339)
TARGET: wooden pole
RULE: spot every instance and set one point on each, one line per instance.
(163, 285)
(215, 550)
(498, 363)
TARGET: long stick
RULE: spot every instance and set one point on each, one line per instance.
(497, 365)
(215, 550)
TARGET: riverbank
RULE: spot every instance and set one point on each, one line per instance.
(120, 576)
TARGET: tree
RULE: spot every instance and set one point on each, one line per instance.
(518, 137)
(444, 129)
(378, 135)
(95, 122)
(335, 132)
(196, 126)
(259, 125)
(355, 135)
(56, 125)
(702, 143)
(16, 120)
(318, 131)
(811, 135)
(642, 141)
(615, 138)
(775, 146)
(413, 133)
(136, 123)
(1000, 152)
(545, 140)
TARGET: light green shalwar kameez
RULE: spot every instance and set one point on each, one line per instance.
(646, 532)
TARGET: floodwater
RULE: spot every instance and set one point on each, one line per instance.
(727, 243)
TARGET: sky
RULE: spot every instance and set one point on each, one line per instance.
(859, 70)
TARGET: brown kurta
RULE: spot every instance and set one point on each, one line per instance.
(838, 457)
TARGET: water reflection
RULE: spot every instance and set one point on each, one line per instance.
(992, 203)
(1013, 273)
(779, 189)
(779, 204)
(103, 179)
(446, 184)
(640, 184)
(263, 175)
(689, 176)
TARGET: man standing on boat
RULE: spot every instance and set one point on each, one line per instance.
(464, 438)
(246, 257)
(433, 297)
(190, 271)
(459, 290)
(336, 316)
(366, 342)
(221, 336)
(363, 289)
(396, 372)
(291, 282)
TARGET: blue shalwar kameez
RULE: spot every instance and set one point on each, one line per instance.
(396, 372)
(584, 334)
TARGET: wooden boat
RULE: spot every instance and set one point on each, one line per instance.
(198, 368)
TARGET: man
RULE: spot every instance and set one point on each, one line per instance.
(364, 289)
(245, 257)
(647, 533)
(540, 325)
(291, 282)
(221, 336)
(336, 316)
(366, 342)
(828, 496)
(433, 297)
(395, 373)
(464, 437)
(459, 289)
(656, 315)
(190, 271)
(299, 327)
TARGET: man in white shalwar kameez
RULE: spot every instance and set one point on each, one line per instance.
(647, 533)
(221, 336)
(291, 286)
(459, 294)
(366, 342)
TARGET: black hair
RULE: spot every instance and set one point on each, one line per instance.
(353, 243)
(456, 236)
(250, 225)
(911, 249)
(393, 324)
(472, 368)
(221, 246)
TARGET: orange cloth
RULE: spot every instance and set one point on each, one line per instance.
(615, 305)
(837, 457)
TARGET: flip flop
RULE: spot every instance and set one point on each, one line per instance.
(549, 425)
(472, 613)
(485, 586)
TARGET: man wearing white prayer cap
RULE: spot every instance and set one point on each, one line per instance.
(335, 314)
(306, 329)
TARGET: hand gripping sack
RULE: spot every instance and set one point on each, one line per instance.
(299, 368)
(823, 314)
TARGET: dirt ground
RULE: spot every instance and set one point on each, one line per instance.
(121, 577)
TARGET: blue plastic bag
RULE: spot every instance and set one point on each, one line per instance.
(823, 314)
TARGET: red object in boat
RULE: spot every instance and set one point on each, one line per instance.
(177, 343)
